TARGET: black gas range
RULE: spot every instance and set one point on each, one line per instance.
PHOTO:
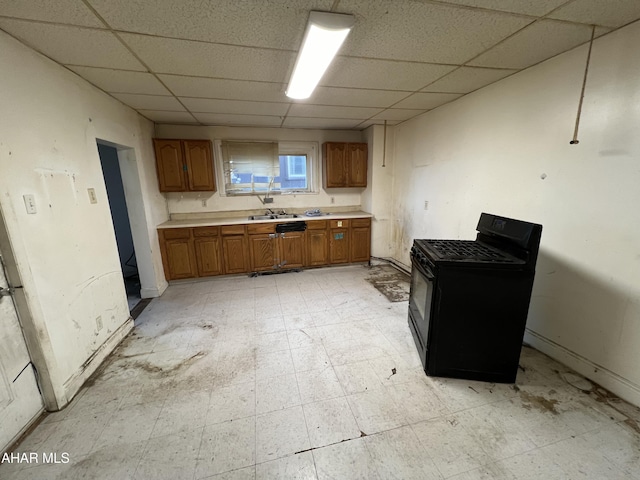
(470, 298)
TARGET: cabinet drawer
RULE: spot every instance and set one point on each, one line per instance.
(361, 222)
(175, 233)
(206, 231)
(261, 228)
(339, 223)
(232, 230)
(316, 225)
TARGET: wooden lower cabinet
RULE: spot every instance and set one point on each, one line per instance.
(317, 244)
(339, 241)
(262, 251)
(360, 240)
(291, 250)
(178, 255)
(208, 256)
(231, 249)
(235, 249)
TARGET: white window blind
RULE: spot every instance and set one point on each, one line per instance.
(250, 167)
(258, 168)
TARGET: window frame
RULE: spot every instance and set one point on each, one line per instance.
(309, 149)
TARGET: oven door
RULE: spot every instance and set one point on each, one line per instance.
(420, 297)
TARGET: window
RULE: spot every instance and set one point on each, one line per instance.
(258, 168)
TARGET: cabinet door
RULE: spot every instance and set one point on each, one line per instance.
(199, 162)
(360, 244)
(317, 248)
(208, 256)
(180, 259)
(234, 248)
(262, 250)
(339, 245)
(335, 171)
(357, 165)
(291, 250)
(170, 165)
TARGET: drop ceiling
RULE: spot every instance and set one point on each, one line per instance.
(227, 62)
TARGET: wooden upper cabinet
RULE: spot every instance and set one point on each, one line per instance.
(345, 165)
(185, 165)
(335, 161)
(170, 164)
(199, 162)
(357, 164)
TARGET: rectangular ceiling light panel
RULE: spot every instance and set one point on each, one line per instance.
(324, 35)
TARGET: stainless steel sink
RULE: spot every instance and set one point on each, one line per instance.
(286, 215)
(261, 217)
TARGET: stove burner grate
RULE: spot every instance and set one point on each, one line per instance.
(465, 249)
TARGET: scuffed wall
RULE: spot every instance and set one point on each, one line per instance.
(66, 252)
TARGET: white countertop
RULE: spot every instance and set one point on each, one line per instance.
(212, 222)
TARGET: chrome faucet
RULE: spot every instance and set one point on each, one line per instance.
(282, 212)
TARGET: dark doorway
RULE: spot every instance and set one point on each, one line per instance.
(121, 225)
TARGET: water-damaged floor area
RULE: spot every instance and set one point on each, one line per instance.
(315, 375)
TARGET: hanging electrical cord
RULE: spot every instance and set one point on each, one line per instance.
(575, 140)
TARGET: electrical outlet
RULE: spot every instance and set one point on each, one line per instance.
(333, 200)
(426, 204)
(30, 203)
(92, 195)
(99, 322)
(204, 202)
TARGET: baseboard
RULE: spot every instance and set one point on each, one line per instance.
(153, 292)
(604, 377)
(75, 382)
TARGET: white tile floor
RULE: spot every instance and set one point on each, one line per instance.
(290, 377)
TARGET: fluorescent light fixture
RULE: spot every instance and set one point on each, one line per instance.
(324, 35)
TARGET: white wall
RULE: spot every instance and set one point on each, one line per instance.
(192, 202)
(489, 151)
(66, 253)
(376, 198)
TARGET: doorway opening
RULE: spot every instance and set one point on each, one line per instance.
(121, 222)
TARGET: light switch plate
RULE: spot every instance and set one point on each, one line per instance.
(30, 203)
(92, 195)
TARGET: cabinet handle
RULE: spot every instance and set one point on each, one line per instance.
(273, 235)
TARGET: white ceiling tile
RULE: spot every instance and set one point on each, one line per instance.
(159, 116)
(427, 101)
(397, 114)
(238, 120)
(184, 57)
(304, 110)
(150, 102)
(208, 105)
(321, 123)
(355, 97)
(608, 13)
(73, 45)
(528, 7)
(225, 89)
(278, 24)
(410, 30)
(61, 11)
(468, 79)
(122, 81)
(382, 74)
(550, 38)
